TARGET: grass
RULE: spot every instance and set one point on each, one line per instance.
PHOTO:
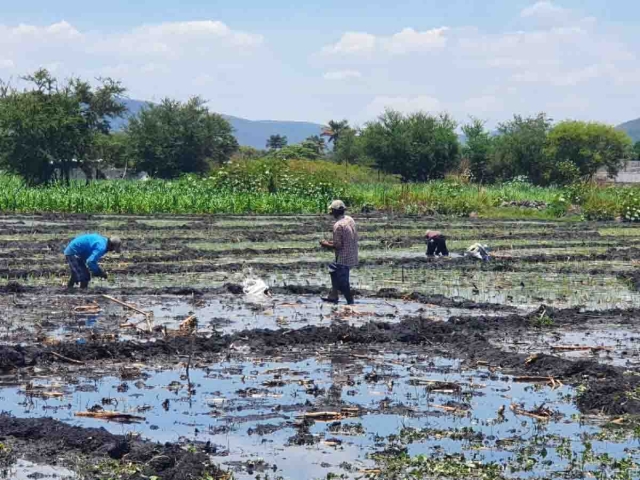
(298, 188)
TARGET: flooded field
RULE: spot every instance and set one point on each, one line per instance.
(526, 366)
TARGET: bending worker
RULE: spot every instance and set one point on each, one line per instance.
(345, 245)
(84, 253)
(436, 244)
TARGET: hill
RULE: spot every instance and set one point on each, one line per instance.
(632, 128)
(250, 133)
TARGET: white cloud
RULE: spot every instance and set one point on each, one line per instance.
(6, 63)
(559, 61)
(405, 41)
(544, 10)
(352, 43)
(342, 75)
(408, 41)
(403, 104)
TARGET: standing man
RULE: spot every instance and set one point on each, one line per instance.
(436, 244)
(84, 253)
(345, 245)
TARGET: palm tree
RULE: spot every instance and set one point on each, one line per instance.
(334, 130)
(316, 142)
(276, 142)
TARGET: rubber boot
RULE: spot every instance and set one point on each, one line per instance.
(333, 296)
(71, 283)
(84, 285)
(349, 296)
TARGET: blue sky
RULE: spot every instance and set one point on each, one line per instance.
(286, 61)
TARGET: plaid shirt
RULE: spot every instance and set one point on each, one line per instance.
(345, 241)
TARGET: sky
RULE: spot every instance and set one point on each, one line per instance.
(280, 60)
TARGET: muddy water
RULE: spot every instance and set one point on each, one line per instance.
(252, 411)
(55, 318)
(25, 470)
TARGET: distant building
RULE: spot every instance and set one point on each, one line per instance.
(630, 174)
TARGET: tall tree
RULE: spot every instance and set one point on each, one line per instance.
(584, 148)
(477, 149)
(334, 131)
(519, 148)
(276, 142)
(417, 147)
(315, 142)
(636, 149)
(173, 138)
(51, 126)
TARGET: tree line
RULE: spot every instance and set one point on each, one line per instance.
(50, 127)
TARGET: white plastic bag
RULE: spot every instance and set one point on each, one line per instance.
(479, 251)
(255, 289)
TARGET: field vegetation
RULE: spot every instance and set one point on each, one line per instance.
(411, 164)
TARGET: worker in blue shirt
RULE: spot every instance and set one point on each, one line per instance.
(84, 253)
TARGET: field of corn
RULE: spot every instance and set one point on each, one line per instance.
(523, 367)
(266, 192)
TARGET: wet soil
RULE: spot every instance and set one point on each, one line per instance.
(48, 441)
(498, 337)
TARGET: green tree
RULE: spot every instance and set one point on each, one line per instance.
(350, 149)
(315, 142)
(50, 127)
(111, 149)
(417, 147)
(578, 149)
(173, 138)
(478, 149)
(334, 131)
(519, 149)
(276, 142)
(636, 150)
(303, 151)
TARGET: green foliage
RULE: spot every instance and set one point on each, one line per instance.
(636, 151)
(174, 138)
(304, 151)
(478, 150)
(519, 149)
(630, 200)
(579, 149)
(276, 142)
(417, 147)
(334, 131)
(112, 150)
(315, 143)
(50, 127)
(350, 149)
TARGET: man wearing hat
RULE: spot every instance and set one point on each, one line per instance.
(84, 253)
(345, 245)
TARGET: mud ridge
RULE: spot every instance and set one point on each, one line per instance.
(466, 339)
(47, 440)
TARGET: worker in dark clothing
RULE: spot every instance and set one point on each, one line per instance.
(436, 244)
(84, 253)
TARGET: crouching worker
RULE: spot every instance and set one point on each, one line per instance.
(84, 253)
(436, 244)
(345, 245)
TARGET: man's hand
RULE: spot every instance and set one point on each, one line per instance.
(325, 244)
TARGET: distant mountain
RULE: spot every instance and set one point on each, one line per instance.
(632, 128)
(250, 133)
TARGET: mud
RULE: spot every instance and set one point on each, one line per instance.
(47, 440)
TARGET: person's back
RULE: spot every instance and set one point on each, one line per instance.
(87, 245)
(346, 239)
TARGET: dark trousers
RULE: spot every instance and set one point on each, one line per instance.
(340, 281)
(437, 246)
(79, 271)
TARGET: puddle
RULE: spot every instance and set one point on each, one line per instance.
(24, 470)
(252, 411)
(613, 344)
